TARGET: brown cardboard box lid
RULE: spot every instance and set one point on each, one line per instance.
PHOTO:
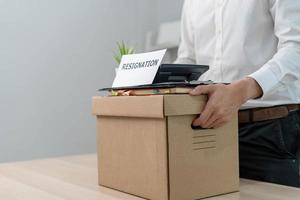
(155, 106)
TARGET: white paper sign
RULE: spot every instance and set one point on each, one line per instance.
(138, 69)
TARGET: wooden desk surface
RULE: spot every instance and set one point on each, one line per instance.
(75, 178)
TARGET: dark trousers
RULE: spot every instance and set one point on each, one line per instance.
(270, 150)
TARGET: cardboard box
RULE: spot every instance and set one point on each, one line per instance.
(146, 147)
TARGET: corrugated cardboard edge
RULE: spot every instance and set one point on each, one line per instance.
(136, 106)
(183, 104)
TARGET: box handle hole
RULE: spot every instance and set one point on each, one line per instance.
(198, 127)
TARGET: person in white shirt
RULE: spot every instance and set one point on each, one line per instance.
(255, 46)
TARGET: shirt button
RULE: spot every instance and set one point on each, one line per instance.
(219, 31)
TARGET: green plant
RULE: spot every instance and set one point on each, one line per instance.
(123, 49)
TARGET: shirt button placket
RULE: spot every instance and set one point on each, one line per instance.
(219, 38)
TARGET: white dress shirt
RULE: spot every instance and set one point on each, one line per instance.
(239, 38)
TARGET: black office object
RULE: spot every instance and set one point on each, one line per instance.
(179, 73)
(161, 85)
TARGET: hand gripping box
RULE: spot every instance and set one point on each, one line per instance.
(146, 147)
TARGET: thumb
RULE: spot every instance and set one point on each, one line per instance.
(201, 89)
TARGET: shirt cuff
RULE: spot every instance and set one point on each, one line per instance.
(266, 79)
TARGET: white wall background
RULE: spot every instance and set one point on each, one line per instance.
(54, 55)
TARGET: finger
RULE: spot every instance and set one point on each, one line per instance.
(204, 116)
(201, 89)
(213, 118)
(219, 123)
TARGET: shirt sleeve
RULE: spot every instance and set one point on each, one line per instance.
(284, 68)
(186, 51)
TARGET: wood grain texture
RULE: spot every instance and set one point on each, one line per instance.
(75, 178)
